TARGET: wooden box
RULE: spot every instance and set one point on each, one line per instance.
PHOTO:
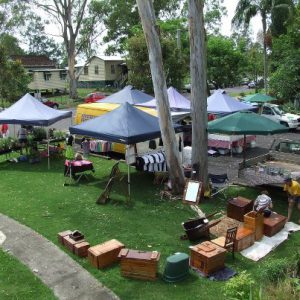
(61, 235)
(244, 239)
(81, 249)
(238, 207)
(207, 257)
(139, 264)
(255, 222)
(70, 243)
(273, 224)
(104, 255)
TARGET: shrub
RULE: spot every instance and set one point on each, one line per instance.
(239, 287)
(39, 133)
(275, 269)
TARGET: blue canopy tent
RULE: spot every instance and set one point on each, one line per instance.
(30, 111)
(221, 103)
(127, 94)
(177, 102)
(125, 125)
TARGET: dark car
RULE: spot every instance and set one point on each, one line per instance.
(93, 97)
(49, 103)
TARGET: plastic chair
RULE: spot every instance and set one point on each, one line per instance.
(228, 241)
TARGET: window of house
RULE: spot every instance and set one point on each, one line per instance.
(97, 70)
(63, 75)
(112, 69)
(86, 71)
(47, 75)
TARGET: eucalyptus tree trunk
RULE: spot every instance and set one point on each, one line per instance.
(198, 90)
(147, 16)
(264, 24)
(72, 71)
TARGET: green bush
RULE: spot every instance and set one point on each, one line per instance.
(39, 133)
(275, 269)
(240, 287)
(59, 134)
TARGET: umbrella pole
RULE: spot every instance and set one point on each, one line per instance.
(244, 152)
(128, 177)
(48, 146)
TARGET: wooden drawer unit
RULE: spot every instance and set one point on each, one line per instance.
(244, 239)
(207, 257)
(273, 224)
(70, 243)
(139, 264)
(81, 249)
(104, 255)
(61, 235)
(255, 222)
(238, 207)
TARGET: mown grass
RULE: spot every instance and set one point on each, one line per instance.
(17, 281)
(37, 198)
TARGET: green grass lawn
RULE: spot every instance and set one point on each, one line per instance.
(37, 198)
(17, 281)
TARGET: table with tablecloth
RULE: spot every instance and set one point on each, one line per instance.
(77, 166)
(228, 141)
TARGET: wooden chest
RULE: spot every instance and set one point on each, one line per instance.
(244, 239)
(255, 222)
(70, 243)
(238, 207)
(139, 264)
(61, 235)
(81, 249)
(207, 257)
(273, 224)
(104, 255)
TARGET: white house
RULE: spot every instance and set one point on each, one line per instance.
(101, 71)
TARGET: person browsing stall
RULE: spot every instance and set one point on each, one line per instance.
(263, 203)
(292, 187)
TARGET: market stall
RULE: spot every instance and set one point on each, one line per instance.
(30, 111)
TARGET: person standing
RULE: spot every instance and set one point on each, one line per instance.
(292, 187)
(22, 137)
(4, 130)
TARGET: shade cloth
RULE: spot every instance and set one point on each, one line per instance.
(176, 101)
(127, 94)
(262, 98)
(125, 124)
(221, 103)
(30, 111)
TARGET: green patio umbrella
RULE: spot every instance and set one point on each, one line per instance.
(259, 98)
(246, 123)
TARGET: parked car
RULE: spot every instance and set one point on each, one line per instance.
(275, 113)
(93, 97)
(49, 103)
(251, 84)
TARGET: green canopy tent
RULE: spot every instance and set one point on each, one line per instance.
(245, 123)
(259, 98)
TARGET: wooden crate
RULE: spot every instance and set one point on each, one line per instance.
(273, 224)
(70, 243)
(139, 264)
(238, 207)
(255, 222)
(81, 249)
(244, 239)
(61, 235)
(104, 255)
(207, 257)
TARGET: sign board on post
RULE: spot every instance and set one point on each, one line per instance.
(192, 192)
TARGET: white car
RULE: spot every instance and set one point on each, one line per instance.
(275, 113)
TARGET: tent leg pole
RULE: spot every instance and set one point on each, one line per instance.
(48, 146)
(244, 152)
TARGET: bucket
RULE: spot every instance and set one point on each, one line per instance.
(196, 229)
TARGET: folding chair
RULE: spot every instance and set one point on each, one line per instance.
(228, 241)
(219, 183)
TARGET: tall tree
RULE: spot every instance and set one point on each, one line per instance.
(70, 16)
(13, 78)
(146, 12)
(245, 11)
(121, 16)
(198, 89)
